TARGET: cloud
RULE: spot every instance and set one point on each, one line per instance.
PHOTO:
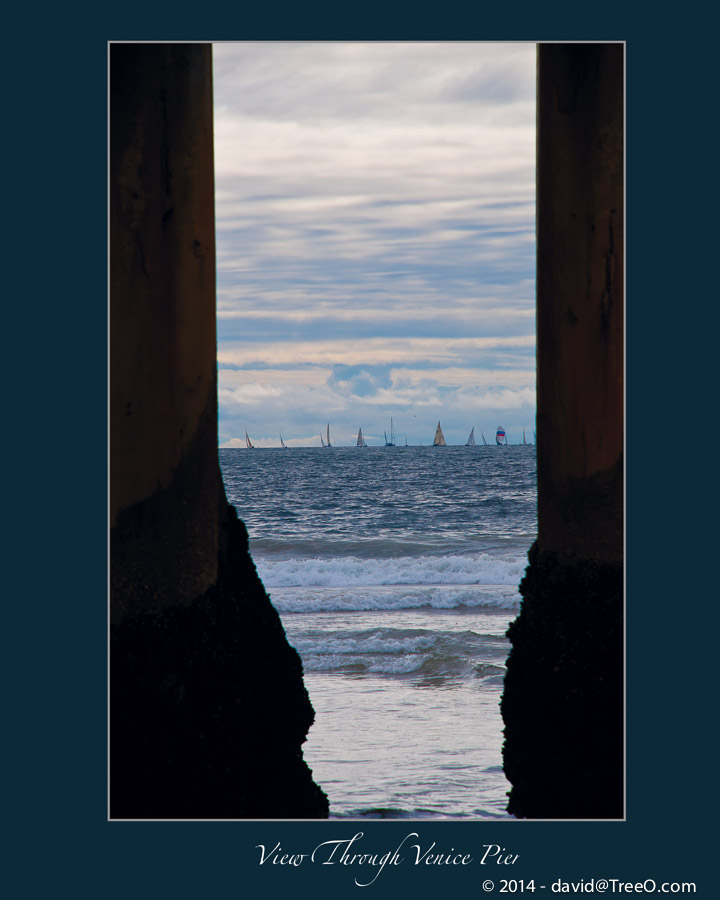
(415, 399)
(359, 381)
(364, 80)
(375, 218)
(380, 351)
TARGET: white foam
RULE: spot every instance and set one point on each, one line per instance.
(409, 570)
(376, 643)
(390, 665)
(388, 597)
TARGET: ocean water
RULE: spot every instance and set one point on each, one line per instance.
(395, 572)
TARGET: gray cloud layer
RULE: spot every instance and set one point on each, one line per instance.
(375, 210)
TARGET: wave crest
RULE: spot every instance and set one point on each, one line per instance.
(351, 571)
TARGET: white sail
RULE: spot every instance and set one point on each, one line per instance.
(282, 443)
(471, 440)
(391, 442)
(483, 438)
(321, 440)
(439, 437)
(248, 442)
(524, 441)
(328, 436)
(361, 439)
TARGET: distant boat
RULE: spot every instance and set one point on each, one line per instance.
(328, 436)
(524, 441)
(471, 440)
(500, 436)
(282, 443)
(361, 439)
(321, 440)
(483, 438)
(439, 437)
(391, 442)
(248, 442)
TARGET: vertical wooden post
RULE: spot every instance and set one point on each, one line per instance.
(165, 486)
(563, 698)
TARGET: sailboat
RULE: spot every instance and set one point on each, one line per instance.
(500, 436)
(328, 444)
(471, 440)
(282, 443)
(248, 442)
(391, 442)
(361, 439)
(439, 437)
(483, 438)
(524, 441)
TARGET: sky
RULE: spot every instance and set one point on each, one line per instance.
(375, 228)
